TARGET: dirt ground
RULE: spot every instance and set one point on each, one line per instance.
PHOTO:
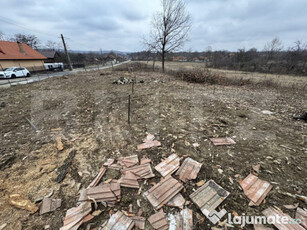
(90, 114)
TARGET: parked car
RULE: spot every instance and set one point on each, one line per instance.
(54, 66)
(14, 72)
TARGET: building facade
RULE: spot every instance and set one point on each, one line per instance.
(14, 54)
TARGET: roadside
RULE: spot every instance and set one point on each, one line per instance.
(6, 83)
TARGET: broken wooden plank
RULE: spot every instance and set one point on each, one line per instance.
(119, 221)
(128, 161)
(100, 193)
(301, 214)
(182, 220)
(283, 220)
(255, 189)
(176, 202)
(49, 205)
(188, 170)
(158, 221)
(76, 216)
(222, 141)
(163, 192)
(209, 196)
(143, 171)
(169, 165)
(129, 180)
(139, 221)
(98, 177)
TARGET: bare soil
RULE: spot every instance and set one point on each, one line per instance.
(90, 114)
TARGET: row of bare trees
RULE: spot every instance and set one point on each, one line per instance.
(31, 40)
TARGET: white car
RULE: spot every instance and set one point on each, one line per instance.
(14, 72)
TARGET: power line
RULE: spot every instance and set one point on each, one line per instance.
(6, 20)
(9, 21)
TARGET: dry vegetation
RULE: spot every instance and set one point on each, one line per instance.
(238, 77)
(89, 113)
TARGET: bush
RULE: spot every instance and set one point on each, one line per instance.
(200, 76)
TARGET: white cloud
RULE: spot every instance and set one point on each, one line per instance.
(120, 24)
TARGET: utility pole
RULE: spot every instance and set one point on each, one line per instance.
(67, 55)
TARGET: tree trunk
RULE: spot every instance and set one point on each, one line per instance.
(163, 60)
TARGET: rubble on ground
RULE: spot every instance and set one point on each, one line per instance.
(175, 173)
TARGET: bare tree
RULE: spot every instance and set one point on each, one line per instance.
(170, 28)
(30, 40)
(1, 36)
(53, 45)
(273, 47)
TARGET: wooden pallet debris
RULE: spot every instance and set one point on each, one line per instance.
(100, 193)
(49, 205)
(188, 170)
(182, 220)
(176, 202)
(143, 171)
(163, 192)
(222, 141)
(98, 177)
(149, 142)
(255, 189)
(139, 221)
(209, 196)
(169, 165)
(77, 216)
(119, 221)
(277, 214)
(302, 215)
(129, 180)
(158, 221)
(128, 161)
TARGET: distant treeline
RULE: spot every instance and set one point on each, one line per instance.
(272, 59)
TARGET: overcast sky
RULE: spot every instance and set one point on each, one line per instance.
(121, 24)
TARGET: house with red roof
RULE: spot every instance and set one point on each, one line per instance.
(14, 54)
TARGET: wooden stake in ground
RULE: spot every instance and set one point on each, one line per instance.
(129, 109)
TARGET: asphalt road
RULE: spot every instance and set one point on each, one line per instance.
(5, 83)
